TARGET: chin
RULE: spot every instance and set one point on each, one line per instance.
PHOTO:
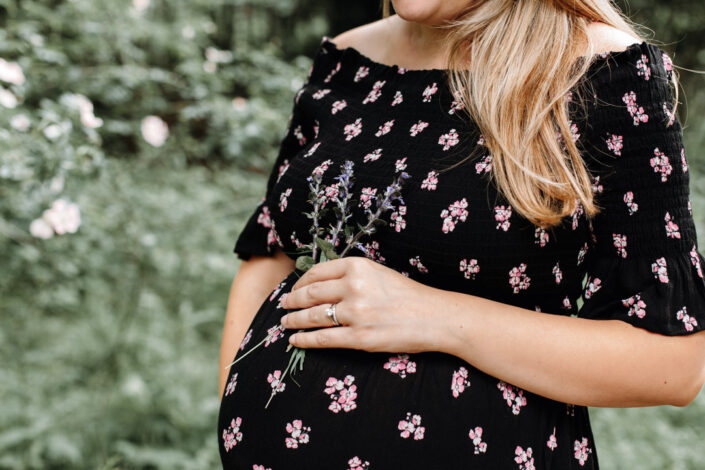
(428, 12)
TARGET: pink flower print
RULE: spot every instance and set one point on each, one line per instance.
(636, 111)
(459, 382)
(397, 219)
(232, 434)
(320, 93)
(484, 165)
(342, 393)
(398, 98)
(361, 73)
(557, 273)
(540, 236)
(576, 214)
(356, 463)
(367, 195)
(596, 186)
(569, 96)
(282, 169)
(449, 140)
(230, 388)
(524, 458)
(518, 280)
(338, 105)
(581, 253)
(476, 436)
(312, 150)
(574, 135)
(299, 135)
(469, 268)
(353, 129)
(552, 443)
(429, 91)
(615, 143)
(415, 261)
(688, 321)
(690, 209)
(501, 216)
(330, 192)
(320, 169)
(275, 381)
(669, 114)
(411, 425)
(456, 212)
(581, 451)
(315, 129)
(430, 181)
(402, 70)
(667, 64)
(592, 286)
(260, 467)
(660, 270)
(283, 201)
(566, 303)
(246, 339)
(620, 242)
(332, 73)
(695, 260)
(671, 227)
(684, 163)
(636, 305)
(372, 156)
(417, 128)
(632, 206)
(273, 334)
(481, 140)
(514, 396)
(385, 128)
(457, 104)
(298, 434)
(400, 365)
(660, 164)
(371, 250)
(400, 165)
(265, 219)
(375, 92)
(643, 69)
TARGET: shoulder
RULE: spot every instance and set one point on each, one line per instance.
(606, 38)
(365, 38)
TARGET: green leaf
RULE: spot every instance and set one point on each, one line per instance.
(304, 263)
(324, 244)
(330, 254)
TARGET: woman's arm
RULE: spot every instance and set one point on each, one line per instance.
(607, 363)
(255, 279)
(582, 361)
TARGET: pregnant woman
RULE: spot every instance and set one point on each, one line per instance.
(541, 256)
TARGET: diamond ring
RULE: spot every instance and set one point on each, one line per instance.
(330, 313)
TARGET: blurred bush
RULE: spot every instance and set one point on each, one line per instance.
(135, 138)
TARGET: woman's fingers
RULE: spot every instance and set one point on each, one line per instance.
(319, 292)
(331, 269)
(338, 337)
(311, 317)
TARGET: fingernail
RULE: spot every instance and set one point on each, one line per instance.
(283, 320)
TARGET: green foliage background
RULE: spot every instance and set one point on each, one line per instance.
(110, 336)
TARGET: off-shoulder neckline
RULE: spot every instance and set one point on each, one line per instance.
(328, 45)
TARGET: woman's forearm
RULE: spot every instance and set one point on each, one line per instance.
(573, 360)
(254, 281)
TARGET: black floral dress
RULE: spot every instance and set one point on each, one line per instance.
(638, 262)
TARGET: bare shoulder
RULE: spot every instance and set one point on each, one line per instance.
(365, 38)
(608, 38)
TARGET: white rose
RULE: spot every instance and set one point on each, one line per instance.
(20, 122)
(39, 228)
(154, 130)
(11, 72)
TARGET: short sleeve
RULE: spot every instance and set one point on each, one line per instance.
(259, 235)
(643, 266)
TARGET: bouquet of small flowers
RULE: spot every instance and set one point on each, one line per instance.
(325, 240)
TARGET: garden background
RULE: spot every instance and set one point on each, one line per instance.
(154, 124)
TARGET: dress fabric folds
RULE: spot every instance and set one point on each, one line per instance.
(636, 261)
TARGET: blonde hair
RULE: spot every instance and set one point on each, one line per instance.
(524, 57)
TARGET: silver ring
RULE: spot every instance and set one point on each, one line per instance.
(330, 312)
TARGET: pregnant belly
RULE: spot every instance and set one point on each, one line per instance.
(392, 410)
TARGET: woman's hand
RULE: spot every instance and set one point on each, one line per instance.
(379, 309)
